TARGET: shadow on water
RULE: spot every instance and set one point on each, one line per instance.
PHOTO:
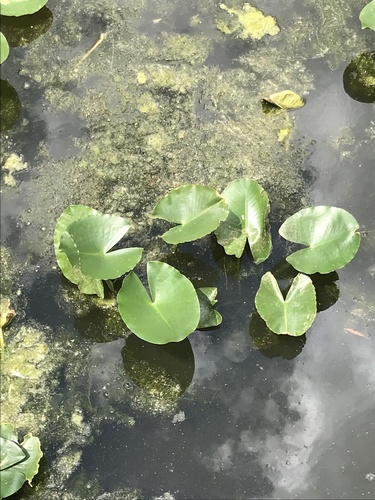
(164, 371)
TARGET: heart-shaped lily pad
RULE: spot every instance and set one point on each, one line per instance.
(87, 242)
(20, 7)
(197, 209)
(330, 234)
(86, 284)
(292, 316)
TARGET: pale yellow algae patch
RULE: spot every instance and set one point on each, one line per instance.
(14, 163)
(250, 23)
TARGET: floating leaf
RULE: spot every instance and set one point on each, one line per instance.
(172, 312)
(330, 234)
(86, 284)
(247, 220)
(19, 463)
(285, 100)
(88, 240)
(367, 16)
(198, 209)
(20, 7)
(209, 317)
(359, 78)
(4, 48)
(292, 316)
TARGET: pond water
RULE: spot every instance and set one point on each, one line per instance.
(170, 96)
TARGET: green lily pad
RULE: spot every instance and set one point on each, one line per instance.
(209, 317)
(247, 220)
(169, 315)
(4, 48)
(292, 316)
(87, 242)
(19, 462)
(197, 209)
(20, 7)
(286, 99)
(330, 234)
(367, 16)
(86, 284)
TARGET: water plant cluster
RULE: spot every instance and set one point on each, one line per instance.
(238, 217)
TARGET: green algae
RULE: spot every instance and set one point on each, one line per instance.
(13, 164)
(191, 49)
(248, 22)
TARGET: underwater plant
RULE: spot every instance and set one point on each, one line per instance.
(19, 461)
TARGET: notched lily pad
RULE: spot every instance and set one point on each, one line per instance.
(290, 316)
(286, 99)
(197, 209)
(19, 462)
(331, 235)
(209, 317)
(367, 16)
(85, 284)
(169, 315)
(247, 220)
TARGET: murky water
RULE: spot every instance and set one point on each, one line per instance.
(170, 97)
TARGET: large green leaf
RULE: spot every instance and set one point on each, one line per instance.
(367, 16)
(292, 316)
(4, 48)
(87, 242)
(247, 221)
(198, 209)
(20, 7)
(330, 234)
(10, 453)
(86, 284)
(172, 312)
(18, 471)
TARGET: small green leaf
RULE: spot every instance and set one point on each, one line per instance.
(292, 316)
(20, 7)
(367, 16)
(86, 284)
(87, 242)
(18, 471)
(172, 312)
(4, 48)
(330, 234)
(198, 209)
(209, 317)
(285, 99)
(247, 220)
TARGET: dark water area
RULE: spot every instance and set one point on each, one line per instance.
(233, 412)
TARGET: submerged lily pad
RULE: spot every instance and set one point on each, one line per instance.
(286, 99)
(359, 78)
(197, 209)
(330, 234)
(292, 316)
